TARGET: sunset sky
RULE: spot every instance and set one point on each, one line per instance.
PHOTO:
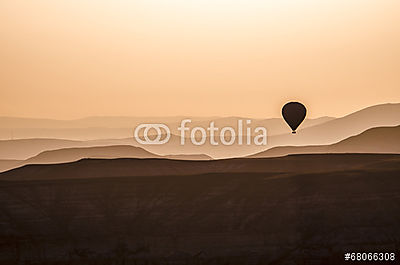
(68, 59)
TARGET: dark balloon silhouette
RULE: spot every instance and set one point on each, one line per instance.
(294, 114)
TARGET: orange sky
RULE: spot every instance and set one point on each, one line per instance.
(76, 58)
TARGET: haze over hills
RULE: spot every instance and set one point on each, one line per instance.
(94, 122)
(328, 132)
(105, 152)
(89, 128)
(375, 140)
(321, 131)
(291, 155)
(21, 149)
(77, 153)
(275, 126)
(122, 127)
(341, 128)
(7, 164)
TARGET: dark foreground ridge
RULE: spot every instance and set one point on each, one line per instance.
(301, 209)
(130, 167)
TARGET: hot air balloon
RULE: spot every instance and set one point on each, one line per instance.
(294, 114)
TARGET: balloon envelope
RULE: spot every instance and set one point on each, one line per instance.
(294, 114)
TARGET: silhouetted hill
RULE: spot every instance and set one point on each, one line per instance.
(89, 168)
(73, 154)
(324, 133)
(300, 209)
(24, 148)
(327, 131)
(107, 152)
(189, 157)
(7, 164)
(375, 140)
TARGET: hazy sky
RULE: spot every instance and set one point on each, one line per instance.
(74, 58)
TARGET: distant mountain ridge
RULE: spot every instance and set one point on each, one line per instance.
(102, 152)
(323, 131)
(341, 128)
(122, 127)
(375, 140)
